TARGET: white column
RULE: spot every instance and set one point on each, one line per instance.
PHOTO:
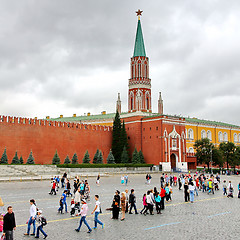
(180, 156)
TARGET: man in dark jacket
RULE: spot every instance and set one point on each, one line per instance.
(9, 224)
(132, 202)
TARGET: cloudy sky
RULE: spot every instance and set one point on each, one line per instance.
(73, 56)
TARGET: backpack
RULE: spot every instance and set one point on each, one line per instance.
(44, 221)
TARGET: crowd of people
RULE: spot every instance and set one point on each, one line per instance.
(153, 200)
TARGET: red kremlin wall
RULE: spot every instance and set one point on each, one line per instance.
(45, 137)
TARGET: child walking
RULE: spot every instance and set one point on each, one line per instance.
(60, 210)
(41, 221)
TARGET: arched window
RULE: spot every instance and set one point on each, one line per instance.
(191, 150)
(209, 135)
(132, 71)
(203, 134)
(220, 137)
(239, 137)
(139, 70)
(147, 103)
(235, 137)
(190, 133)
(146, 72)
(225, 137)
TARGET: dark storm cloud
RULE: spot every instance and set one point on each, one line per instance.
(64, 57)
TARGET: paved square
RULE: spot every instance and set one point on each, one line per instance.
(209, 217)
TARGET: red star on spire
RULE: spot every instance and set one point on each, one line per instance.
(139, 12)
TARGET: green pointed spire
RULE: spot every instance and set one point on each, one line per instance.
(139, 49)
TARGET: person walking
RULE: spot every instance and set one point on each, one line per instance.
(186, 191)
(191, 191)
(65, 199)
(9, 224)
(123, 205)
(238, 190)
(97, 211)
(41, 221)
(116, 205)
(224, 188)
(162, 195)
(98, 180)
(149, 204)
(32, 219)
(77, 200)
(132, 202)
(230, 190)
(144, 203)
(83, 213)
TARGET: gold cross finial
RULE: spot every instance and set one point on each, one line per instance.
(139, 13)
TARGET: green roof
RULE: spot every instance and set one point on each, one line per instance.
(139, 49)
(112, 115)
(85, 118)
(202, 121)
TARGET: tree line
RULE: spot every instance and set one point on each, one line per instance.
(226, 153)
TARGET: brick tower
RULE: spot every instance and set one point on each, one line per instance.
(139, 87)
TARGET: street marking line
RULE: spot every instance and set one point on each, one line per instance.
(167, 224)
(218, 214)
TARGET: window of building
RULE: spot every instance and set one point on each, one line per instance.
(209, 135)
(235, 138)
(190, 133)
(191, 150)
(220, 137)
(225, 137)
(150, 128)
(156, 128)
(150, 137)
(239, 137)
(143, 129)
(174, 144)
(203, 134)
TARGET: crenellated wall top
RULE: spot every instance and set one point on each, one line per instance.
(46, 123)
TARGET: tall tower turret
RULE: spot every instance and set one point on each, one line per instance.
(139, 87)
(160, 104)
(118, 105)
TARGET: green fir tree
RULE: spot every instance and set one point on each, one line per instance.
(21, 160)
(86, 158)
(141, 157)
(110, 158)
(117, 146)
(74, 159)
(56, 159)
(100, 158)
(135, 156)
(4, 159)
(124, 138)
(95, 157)
(124, 156)
(30, 159)
(67, 160)
(15, 159)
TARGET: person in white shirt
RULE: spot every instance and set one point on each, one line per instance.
(32, 219)
(97, 211)
(191, 191)
(150, 203)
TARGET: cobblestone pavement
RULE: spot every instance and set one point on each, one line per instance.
(209, 217)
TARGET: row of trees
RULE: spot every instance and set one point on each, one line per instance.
(16, 160)
(137, 157)
(226, 153)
